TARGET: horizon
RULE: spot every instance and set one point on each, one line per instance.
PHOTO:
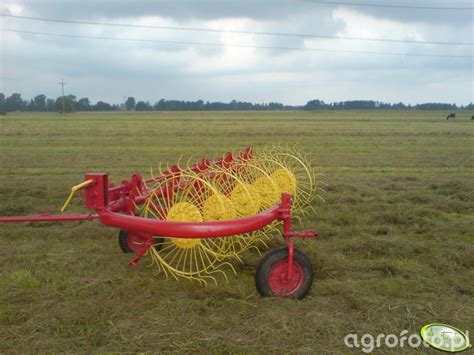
(152, 103)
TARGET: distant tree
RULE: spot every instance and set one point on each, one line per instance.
(199, 105)
(315, 105)
(83, 104)
(31, 106)
(436, 106)
(142, 106)
(130, 103)
(40, 103)
(399, 106)
(275, 106)
(358, 105)
(102, 106)
(69, 103)
(15, 103)
(50, 105)
(159, 105)
(2, 104)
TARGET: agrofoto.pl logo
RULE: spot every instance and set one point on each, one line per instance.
(439, 336)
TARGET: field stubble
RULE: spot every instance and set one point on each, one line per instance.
(396, 249)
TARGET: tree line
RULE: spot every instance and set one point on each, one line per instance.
(40, 103)
(372, 105)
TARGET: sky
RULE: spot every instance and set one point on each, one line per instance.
(241, 66)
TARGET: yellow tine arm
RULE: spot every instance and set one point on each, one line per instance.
(74, 189)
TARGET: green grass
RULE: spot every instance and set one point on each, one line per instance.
(396, 249)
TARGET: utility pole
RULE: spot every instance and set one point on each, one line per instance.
(62, 83)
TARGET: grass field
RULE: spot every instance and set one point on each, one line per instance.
(396, 249)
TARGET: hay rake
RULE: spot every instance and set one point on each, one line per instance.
(194, 221)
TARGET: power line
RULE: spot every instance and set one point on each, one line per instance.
(62, 83)
(391, 6)
(234, 45)
(213, 30)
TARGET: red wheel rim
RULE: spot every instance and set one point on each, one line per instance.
(135, 243)
(279, 282)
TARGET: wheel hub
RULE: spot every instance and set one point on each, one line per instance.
(278, 278)
(135, 243)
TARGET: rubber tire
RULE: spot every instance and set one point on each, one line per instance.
(123, 242)
(270, 259)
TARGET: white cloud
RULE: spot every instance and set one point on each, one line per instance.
(12, 8)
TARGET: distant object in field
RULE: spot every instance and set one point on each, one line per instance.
(472, 117)
(451, 115)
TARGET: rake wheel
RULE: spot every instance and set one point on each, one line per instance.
(190, 198)
(292, 172)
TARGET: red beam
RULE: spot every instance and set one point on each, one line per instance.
(213, 229)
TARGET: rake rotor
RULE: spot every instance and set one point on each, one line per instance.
(226, 189)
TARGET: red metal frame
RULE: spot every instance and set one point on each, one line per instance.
(114, 206)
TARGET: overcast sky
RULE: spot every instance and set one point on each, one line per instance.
(111, 70)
